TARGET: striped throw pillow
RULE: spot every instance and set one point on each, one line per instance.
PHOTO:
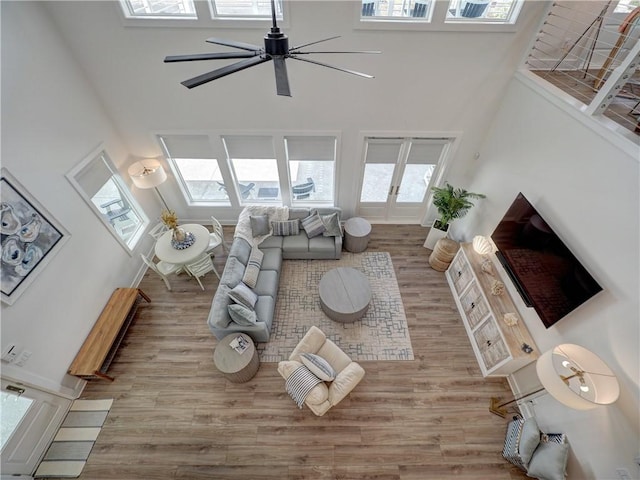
(318, 366)
(283, 229)
(251, 271)
(313, 225)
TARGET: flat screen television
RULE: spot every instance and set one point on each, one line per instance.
(547, 275)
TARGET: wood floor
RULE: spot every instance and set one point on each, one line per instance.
(175, 416)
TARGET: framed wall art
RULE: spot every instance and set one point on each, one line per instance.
(30, 237)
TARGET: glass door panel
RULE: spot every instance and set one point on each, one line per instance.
(14, 408)
(414, 183)
(376, 182)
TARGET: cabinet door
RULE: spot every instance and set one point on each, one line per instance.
(490, 344)
(474, 305)
(460, 273)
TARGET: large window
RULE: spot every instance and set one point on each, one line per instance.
(311, 168)
(489, 11)
(260, 9)
(158, 8)
(100, 185)
(236, 170)
(196, 168)
(255, 167)
(391, 10)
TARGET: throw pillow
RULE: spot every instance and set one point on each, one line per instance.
(259, 225)
(242, 315)
(250, 277)
(549, 461)
(318, 366)
(283, 229)
(243, 295)
(313, 225)
(529, 439)
(331, 225)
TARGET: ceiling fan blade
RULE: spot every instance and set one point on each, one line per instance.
(282, 79)
(209, 56)
(353, 72)
(313, 43)
(221, 72)
(355, 51)
(234, 44)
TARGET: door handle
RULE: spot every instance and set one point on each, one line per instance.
(397, 189)
(391, 190)
(15, 389)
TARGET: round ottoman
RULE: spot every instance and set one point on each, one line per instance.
(443, 254)
(345, 294)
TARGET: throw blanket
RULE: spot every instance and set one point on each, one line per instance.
(300, 383)
(243, 229)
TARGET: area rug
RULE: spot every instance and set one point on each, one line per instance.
(382, 334)
(70, 449)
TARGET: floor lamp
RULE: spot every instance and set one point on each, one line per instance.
(574, 376)
(148, 173)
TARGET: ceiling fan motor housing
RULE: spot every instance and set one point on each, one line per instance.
(276, 43)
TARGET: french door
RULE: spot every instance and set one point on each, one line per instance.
(397, 176)
(28, 420)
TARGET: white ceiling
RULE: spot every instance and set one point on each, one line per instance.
(424, 80)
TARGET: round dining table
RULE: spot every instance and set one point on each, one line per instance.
(164, 251)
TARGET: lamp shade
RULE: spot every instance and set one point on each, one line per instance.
(577, 377)
(147, 173)
(482, 245)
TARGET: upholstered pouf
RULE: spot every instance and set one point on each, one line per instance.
(443, 254)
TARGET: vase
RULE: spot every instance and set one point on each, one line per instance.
(178, 235)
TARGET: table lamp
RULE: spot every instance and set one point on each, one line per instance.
(574, 376)
(148, 173)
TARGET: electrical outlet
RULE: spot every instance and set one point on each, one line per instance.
(22, 359)
(623, 474)
(10, 353)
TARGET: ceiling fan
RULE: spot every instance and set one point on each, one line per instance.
(276, 48)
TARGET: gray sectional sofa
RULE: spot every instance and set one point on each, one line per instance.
(275, 249)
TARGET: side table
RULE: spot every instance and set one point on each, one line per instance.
(356, 234)
(236, 367)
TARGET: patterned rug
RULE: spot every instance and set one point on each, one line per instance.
(70, 449)
(382, 334)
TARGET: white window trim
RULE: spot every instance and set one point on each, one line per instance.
(438, 21)
(71, 177)
(204, 20)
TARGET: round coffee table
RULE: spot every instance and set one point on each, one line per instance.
(345, 294)
(236, 367)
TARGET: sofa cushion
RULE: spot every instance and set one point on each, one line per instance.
(313, 225)
(264, 309)
(250, 277)
(320, 244)
(296, 243)
(318, 366)
(242, 315)
(241, 249)
(283, 229)
(243, 295)
(233, 272)
(267, 283)
(219, 314)
(259, 225)
(272, 259)
(271, 242)
(298, 213)
(331, 225)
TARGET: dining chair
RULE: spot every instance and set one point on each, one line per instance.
(216, 237)
(200, 267)
(162, 268)
(157, 231)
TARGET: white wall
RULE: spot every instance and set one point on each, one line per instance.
(426, 81)
(51, 120)
(586, 188)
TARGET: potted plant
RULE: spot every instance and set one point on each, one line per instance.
(451, 203)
